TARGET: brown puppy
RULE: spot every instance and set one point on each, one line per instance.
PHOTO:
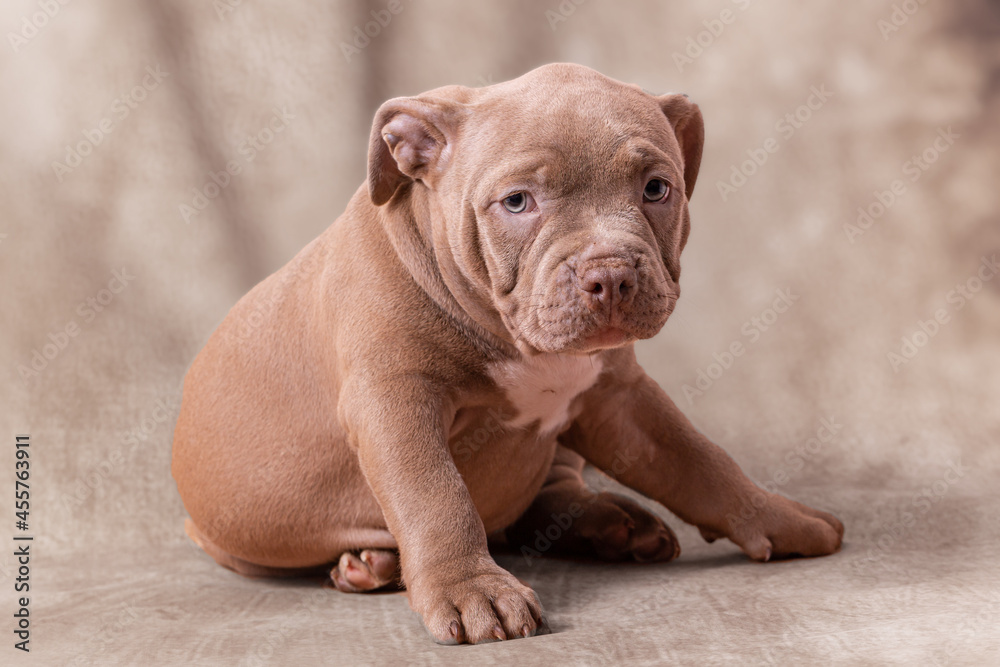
(511, 244)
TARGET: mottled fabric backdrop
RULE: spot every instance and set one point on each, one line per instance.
(838, 329)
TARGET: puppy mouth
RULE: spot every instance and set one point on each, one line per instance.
(573, 328)
(611, 305)
(606, 338)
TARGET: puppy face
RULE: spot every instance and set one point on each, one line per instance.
(562, 195)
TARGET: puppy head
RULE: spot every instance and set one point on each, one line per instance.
(558, 201)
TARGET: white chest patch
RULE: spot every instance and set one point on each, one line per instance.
(542, 387)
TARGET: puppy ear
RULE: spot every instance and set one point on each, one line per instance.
(409, 141)
(689, 128)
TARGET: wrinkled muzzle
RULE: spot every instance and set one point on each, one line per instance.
(604, 295)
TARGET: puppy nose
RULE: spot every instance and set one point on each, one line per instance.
(607, 284)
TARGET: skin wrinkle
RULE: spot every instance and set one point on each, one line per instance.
(602, 217)
(467, 239)
(512, 275)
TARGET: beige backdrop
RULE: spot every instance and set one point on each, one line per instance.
(141, 103)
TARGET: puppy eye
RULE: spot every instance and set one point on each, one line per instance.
(656, 190)
(517, 202)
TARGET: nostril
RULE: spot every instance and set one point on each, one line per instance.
(606, 282)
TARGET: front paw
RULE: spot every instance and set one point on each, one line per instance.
(772, 526)
(483, 603)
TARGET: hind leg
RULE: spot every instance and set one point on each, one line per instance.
(585, 524)
(236, 564)
(367, 570)
(354, 572)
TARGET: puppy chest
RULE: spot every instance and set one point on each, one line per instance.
(541, 388)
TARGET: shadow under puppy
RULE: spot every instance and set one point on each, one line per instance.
(510, 245)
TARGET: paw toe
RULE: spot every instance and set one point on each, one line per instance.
(368, 570)
(641, 536)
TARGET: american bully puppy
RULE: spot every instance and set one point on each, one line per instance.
(510, 245)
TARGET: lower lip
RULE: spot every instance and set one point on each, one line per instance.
(608, 337)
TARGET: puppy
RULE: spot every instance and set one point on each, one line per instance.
(438, 365)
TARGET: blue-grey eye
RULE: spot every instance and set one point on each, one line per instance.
(656, 190)
(516, 203)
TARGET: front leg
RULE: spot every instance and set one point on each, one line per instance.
(399, 429)
(627, 417)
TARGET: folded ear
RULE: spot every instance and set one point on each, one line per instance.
(689, 128)
(409, 141)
